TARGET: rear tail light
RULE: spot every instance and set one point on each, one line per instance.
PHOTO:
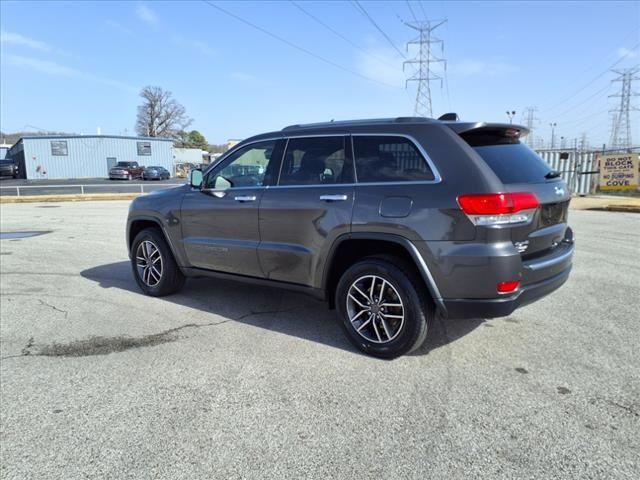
(507, 287)
(488, 209)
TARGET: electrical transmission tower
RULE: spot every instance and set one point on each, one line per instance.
(530, 120)
(621, 131)
(425, 60)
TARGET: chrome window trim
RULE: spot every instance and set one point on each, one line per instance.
(437, 178)
(436, 174)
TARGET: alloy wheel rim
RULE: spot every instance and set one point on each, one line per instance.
(149, 263)
(375, 309)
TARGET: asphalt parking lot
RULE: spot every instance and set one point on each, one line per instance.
(232, 381)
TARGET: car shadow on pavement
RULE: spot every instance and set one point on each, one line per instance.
(274, 309)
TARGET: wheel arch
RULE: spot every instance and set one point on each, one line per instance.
(136, 225)
(352, 247)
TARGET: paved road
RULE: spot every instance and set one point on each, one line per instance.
(229, 381)
(91, 185)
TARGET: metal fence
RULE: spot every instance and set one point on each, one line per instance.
(579, 168)
(44, 189)
(576, 167)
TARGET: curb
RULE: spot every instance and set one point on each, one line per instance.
(616, 208)
(69, 198)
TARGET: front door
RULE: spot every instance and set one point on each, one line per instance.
(309, 207)
(220, 220)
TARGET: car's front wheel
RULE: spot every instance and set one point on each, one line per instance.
(154, 267)
(384, 308)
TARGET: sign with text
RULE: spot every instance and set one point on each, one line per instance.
(619, 171)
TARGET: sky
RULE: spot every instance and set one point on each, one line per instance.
(78, 66)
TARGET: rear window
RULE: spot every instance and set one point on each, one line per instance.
(514, 163)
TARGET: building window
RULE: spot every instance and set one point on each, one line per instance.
(144, 148)
(59, 148)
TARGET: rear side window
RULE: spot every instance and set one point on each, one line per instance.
(316, 161)
(514, 163)
(389, 159)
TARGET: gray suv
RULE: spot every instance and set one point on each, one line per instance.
(391, 221)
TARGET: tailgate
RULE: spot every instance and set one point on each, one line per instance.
(520, 169)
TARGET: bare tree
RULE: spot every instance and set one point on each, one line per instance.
(160, 115)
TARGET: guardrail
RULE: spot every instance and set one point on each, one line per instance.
(82, 189)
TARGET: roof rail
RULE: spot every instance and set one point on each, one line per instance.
(359, 122)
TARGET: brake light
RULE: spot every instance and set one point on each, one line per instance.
(507, 287)
(489, 209)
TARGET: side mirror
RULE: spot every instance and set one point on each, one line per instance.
(195, 178)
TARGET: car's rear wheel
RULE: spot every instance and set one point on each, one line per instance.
(154, 267)
(384, 308)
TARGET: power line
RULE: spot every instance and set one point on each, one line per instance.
(364, 12)
(577, 77)
(338, 34)
(600, 75)
(415, 19)
(424, 13)
(582, 102)
(293, 45)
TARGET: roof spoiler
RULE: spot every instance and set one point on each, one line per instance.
(469, 127)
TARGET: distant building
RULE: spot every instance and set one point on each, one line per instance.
(193, 156)
(86, 156)
(4, 148)
(231, 143)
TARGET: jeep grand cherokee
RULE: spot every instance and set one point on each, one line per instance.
(390, 221)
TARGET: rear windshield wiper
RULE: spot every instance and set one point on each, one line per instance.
(552, 174)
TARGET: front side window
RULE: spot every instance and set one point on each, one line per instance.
(389, 159)
(316, 161)
(144, 148)
(245, 168)
(59, 148)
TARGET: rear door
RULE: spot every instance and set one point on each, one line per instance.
(520, 169)
(309, 207)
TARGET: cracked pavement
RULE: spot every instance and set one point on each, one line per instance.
(233, 381)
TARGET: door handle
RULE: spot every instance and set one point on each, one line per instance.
(245, 198)
(334, 198)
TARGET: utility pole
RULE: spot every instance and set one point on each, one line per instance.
(529, 121)
(621, 131)
(553, 134)
(425, 59)
(511, 114)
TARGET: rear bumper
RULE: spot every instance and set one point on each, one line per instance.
(502, 307)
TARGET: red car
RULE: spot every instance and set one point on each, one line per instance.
(126, 171)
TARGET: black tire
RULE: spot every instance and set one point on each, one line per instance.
(417, 309)
(171, 279)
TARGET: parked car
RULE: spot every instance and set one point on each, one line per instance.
(390, 221)
(156, 173)
(126, 171)
(9, 168)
